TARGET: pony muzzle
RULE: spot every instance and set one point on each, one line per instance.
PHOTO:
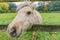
(13, 32)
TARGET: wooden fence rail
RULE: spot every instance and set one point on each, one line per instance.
(3, 26)
(22, 0)
(41, 28)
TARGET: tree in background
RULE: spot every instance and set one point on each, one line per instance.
(12, 7)
(54, 6)
(4, 6)
(43, 6)
(40, 6)
(48, 6)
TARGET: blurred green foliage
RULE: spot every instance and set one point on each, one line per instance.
(7, 7)
(49, 6)
(44, 6)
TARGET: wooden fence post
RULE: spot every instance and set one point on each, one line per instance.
(34, 37)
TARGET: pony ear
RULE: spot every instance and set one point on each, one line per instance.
(33, 6)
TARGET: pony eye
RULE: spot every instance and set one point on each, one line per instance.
(28, 12)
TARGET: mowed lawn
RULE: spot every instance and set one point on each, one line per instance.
(48, 18)
(6, 18)
(51, 18)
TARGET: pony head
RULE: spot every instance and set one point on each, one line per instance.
(25, 18)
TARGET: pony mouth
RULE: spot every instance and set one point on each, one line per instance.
(15, 35)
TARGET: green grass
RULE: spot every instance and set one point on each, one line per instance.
(6, 18)
(28, 36)
(51, 18)
(48, 18)
(25, 36)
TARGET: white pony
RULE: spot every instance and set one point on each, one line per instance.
(26, 17)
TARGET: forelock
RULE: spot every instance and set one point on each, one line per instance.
(23, 5)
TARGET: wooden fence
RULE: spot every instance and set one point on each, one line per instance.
(41, 28)
(23, 0)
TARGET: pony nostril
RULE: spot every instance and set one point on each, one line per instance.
(13, 33)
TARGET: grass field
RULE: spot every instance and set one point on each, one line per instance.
(6, 18)
(48, 18)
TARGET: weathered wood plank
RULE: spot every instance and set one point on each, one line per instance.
(41, 28)
(22, 0)
(46, 28)
(3, 26)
